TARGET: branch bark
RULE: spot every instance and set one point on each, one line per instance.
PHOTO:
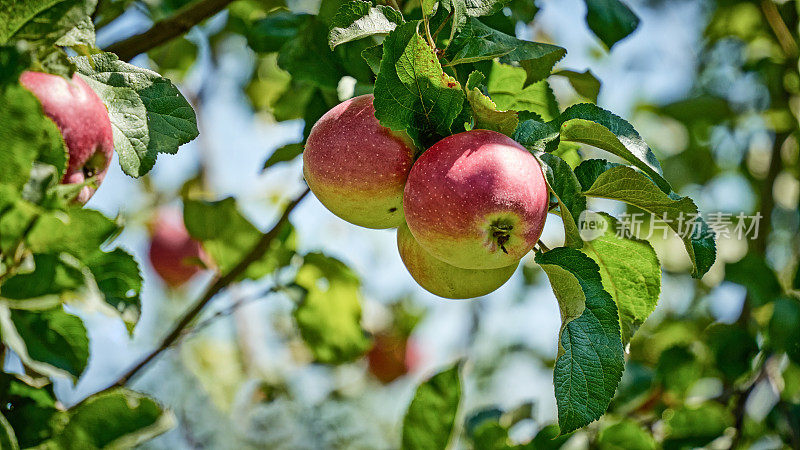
(219, 283)
(165, 30)
(779, 28)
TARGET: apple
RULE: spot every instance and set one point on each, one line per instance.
(476, 200)
(356, 167)
(173, 253)
(83, 120)
(391, 357)
(445, 280)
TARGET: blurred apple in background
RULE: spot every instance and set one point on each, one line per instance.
(392, 356)
(174, 255)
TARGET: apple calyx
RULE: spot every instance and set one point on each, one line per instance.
(501, 233)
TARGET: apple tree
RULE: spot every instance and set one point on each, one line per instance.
(429, 116)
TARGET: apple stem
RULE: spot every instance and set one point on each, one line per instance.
(543, 247)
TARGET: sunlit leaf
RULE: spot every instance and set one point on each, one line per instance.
(148, 113)
(629, 269)
(610, 20)
(357, 19)
(680, 213)
(430, 418)
(412, 92)
(329, 314)
(119, 418)
(590, 356)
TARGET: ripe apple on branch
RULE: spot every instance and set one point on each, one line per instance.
(83, 121)
(467, 210)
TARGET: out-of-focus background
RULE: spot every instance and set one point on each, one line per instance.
(685, 79)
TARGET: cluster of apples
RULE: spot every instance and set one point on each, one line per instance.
(467, 209)
(83, 121)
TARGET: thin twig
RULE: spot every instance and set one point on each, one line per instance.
(427, 26)
(739, 406)
(205, 323)
(220, 282)
(779, 28)
(543, 247)
(165, 30)
(444, 22)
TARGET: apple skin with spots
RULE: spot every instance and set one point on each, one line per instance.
(83, 120)
(476, 200)
(356, 167)
(173, 253)
(445, 280)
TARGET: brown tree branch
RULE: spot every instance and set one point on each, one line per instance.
(779, 28)
(165, 30)
(219, 283)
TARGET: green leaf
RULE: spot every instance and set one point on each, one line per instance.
(412, 92)
(148, 113)
(571, 203)
(479, 8)
(51, 342)
(373, 55)
(629, 269)
(16, 218)
(119, 418)
(356, 20)
(77, 231)
(627, 185)
(27, 135)
(430, 419)
(485, 431)
(589, 170)
(625, 435)
(703, 108)
(50, 276)
(309, 58)
(329, 314)
(29, 410)
(610, 20)
(506, 89)
(549, 438)
(117, 275)
(678, 369)
(270, 33)
(485, 112)
(734, 349)
(476, 42)
(760, 280)
(693, 427)
(590, 357)
(589, 124)
(47, 25)
(427, 6)
(227, 236)
(584, 83)
(284, 153)
(784, 327)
